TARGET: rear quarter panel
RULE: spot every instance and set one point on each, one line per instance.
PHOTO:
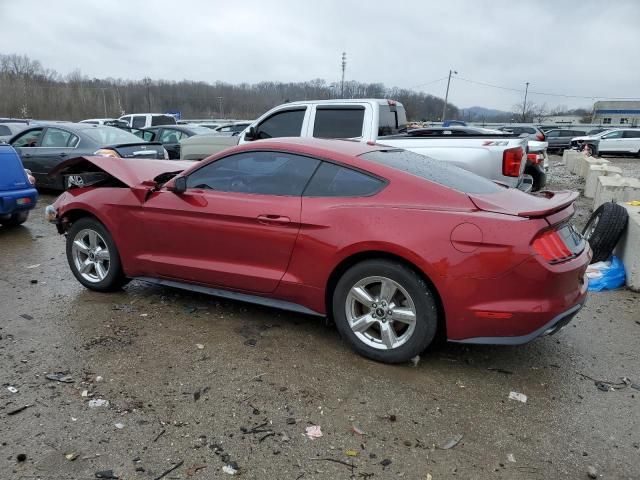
(334, 229)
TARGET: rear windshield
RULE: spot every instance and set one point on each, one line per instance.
(433, 170)
(162, 120)
(111, 136)
(393, 119)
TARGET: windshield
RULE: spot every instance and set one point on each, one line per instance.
(434, 170)
(601, 134)
(111, 136)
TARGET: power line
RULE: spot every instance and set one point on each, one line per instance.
(590, 97)
(429, 83)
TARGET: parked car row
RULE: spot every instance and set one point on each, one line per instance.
(496, 156)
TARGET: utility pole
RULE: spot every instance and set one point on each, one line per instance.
(446, 97)
(104, 102)
(524, 105)
(147, 82)
(344, 66)
(220, 107)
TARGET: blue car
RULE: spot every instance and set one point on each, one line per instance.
(17, 192)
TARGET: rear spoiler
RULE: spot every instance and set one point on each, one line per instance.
(560, 201)
(514, 202)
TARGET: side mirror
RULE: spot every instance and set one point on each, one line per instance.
(251, 134)
(179, 185)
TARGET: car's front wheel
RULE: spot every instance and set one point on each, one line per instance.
(385, 311)
(93, 256)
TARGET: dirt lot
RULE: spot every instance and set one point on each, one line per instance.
(194, 381)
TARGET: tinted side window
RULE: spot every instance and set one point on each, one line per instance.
(332, 180)
(139, 122)
(4, 130)
(338, 122)
(554, 134)
(28, 139)
(162, 120)
(529, 130)
(56, 138)
(616, 134)
(567, 133)
(282, 124)
(632, 134)
(266, 173)
(393, 119)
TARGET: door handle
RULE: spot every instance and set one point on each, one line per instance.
(62, 155)
(273, 219)
(26, 155)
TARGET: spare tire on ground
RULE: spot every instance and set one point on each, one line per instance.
(604, 229)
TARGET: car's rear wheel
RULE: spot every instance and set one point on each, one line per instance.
(15, 219)
(93, 256)
(385, 311)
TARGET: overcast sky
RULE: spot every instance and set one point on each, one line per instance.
(575, 47)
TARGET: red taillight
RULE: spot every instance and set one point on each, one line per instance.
(540, 136)
(550, 246)
(535, 158)
(511, 161)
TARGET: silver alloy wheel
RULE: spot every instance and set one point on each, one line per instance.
(381, 313)
(91, 255)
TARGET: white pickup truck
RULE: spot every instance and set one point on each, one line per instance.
(501, 158)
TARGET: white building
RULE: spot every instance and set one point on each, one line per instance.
(617, 113)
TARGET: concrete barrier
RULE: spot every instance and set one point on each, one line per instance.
(629, 248)
(570, 158)
(616, 189)
(587, 163)
(596, 171)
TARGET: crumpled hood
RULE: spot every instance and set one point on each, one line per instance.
(129, 171)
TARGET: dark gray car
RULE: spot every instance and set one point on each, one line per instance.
(9, 129)
(560, 139)
(44, 146)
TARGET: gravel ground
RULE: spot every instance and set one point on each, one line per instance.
(202, 384)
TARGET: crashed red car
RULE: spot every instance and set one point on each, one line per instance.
(392, 245)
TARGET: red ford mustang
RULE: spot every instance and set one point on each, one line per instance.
(392, 245)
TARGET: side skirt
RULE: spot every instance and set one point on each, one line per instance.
(241, 297)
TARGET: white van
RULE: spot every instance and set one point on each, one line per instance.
(145, 120)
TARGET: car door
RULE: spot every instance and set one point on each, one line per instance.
(55, 146)
(611, 142)
(235, 225)
(26, 144)
(631, 139)
(170, 139)
(554, 138)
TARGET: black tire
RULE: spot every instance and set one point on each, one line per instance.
(604, 229)
(426, 312)
(15, 219)
(114, 278)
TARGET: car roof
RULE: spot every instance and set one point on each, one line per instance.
(314, 146)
